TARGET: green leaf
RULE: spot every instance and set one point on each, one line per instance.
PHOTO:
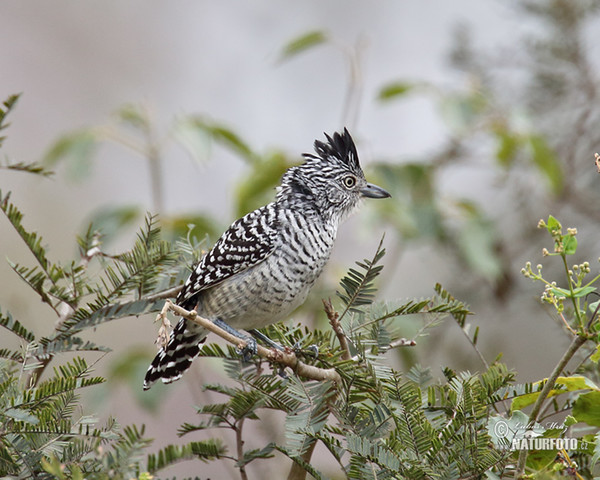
(193, 138)
(564, 384)
(596, 355)
(32, 167)
(394, 90)
(303, 43)
(546, 160)
(8, 322)
(204, 450)
(569, 421)
(250, 455)
(223, 135)
(587, 408)
(358, 286)
(21, 415)
(462, 112)
(109, 221)
(477, 241)
(569, 244)
(577, 292)
(508, 145)
(47, 347)
(135, 115)
(593, 306)
(8, 106)
(311, 415)
(31, 239)
(75, 149)
(53, 466)
(114, 311)
(553, 225)
(448, 304)
(503, 431)
(11, 355)
(415, 211)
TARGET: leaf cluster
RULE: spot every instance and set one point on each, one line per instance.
(44, 432)
(379, 423)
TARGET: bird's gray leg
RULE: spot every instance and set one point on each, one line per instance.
(262, 337)
(313, 349)
(249, 350)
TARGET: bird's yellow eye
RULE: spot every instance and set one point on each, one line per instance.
(349, 181)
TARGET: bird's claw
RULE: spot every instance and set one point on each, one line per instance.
(248, 350)
(312, 349)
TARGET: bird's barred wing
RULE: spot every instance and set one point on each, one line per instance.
(247, 242)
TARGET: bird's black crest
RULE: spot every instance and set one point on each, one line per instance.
(340, 146)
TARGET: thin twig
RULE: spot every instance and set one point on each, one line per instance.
(297, 472)
(285, 358)
(477, 351)
(239, 442)
(334, 321)
(564, 320)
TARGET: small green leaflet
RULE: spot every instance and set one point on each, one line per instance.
(577, 292)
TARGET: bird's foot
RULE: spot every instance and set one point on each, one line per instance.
(248, 350)
(312, 350)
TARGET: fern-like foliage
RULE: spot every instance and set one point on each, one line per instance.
(43, 431)
(41, 421)
(379, 423)
(205, 451)
(358, 285)
(7, 106)
(82, 302)
(375, 422)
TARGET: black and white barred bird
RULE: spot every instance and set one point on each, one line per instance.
(263, 266)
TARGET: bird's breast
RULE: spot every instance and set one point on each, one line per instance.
(271, 290)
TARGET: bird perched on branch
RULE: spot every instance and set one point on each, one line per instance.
(264, 265)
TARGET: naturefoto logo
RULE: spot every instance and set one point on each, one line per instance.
(516, 433)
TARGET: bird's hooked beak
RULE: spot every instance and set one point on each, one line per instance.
(373, 191)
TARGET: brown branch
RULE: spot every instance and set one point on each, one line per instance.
(334, 321)
(239, 442)
(297, 472)
(286, 358)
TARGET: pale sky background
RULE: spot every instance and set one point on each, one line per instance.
(77, 62)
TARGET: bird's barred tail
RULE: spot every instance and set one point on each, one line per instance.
(174, 359)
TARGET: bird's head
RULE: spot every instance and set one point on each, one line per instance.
(331, 180)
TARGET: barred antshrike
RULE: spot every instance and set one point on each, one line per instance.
(263, 266)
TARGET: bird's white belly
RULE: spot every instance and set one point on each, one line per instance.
(260, 296)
